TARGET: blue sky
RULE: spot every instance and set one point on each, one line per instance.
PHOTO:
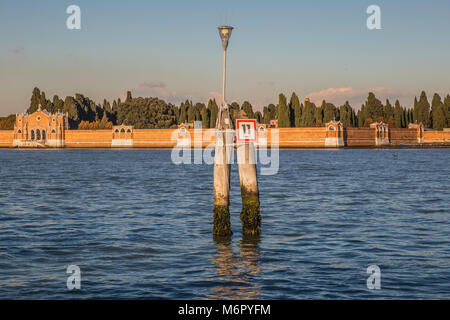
(171, 49)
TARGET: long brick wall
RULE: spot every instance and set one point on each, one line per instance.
(287, 137)
(6, 138)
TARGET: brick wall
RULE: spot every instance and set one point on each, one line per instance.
(436, 136)
(6, 138)
(88, 138)
(299, 137)
(403, 136)
(359, 137)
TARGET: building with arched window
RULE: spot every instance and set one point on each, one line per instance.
(40, 129)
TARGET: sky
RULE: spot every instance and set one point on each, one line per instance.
(171, 49)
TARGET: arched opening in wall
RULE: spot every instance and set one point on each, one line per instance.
(182, 130)
(32, 135)
(262, 129)
(44, 135)
(53, 131)
(19, 131)
(122, 130)
(38, 134)
(331, 128)
(129, 131)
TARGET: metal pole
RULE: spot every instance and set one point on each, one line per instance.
(224, 76)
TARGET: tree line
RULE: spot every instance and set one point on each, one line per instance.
(153, 113)
(307, 114)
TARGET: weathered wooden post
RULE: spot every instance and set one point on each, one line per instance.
(222, 164)
(223, 153)
(250, 214)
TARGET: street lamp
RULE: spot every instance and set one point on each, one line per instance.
(225, 34)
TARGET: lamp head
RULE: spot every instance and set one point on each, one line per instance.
(225, 34)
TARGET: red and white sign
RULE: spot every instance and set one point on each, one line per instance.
(246, 130)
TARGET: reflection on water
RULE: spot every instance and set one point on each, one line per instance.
(235, 272)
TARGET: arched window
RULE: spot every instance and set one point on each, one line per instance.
(44, 135)
(129, 130)
(32, 135)
(19, 131)
(262, 129)
(182, 130)
(53, 131)
(116, 131)
(331, 128)
(38, 134)
(122, 130)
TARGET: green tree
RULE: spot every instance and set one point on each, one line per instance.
(347, 115)
(205, 117)
(308, 118)
(129, 98)
(330, 112)
(283, 112)
(295, 111)
(248, 109)
(438, 115)
(398, 115)
(423, 110)
(213, 111)
(183, 114)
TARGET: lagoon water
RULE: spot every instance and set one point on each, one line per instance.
(139, 226)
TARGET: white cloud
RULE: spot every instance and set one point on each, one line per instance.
(356, 97)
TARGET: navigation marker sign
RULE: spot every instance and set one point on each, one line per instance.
(246, 130)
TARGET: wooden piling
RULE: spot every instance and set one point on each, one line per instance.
(250, 214)
(222, 162)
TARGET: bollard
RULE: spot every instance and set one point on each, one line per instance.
(250, 214)
(222, 161)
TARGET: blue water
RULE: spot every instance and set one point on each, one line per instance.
(139, 226)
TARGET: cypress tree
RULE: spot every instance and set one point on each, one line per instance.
(283, 112)
(415, 110)
(205, 117)
(447, 110)
(294, 110)
(258, 116)
(248, 109)
(438, 115)
(346, 115)
(318, 114)
(308, 119)
(297, 111)
(329, 112)
(35, 98)
(266, 116)
(129, 98)
(388, 110)
(183, 114)
(423, 110)
(213, 111)
(398, 115)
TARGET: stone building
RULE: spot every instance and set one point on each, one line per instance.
(40, 129)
